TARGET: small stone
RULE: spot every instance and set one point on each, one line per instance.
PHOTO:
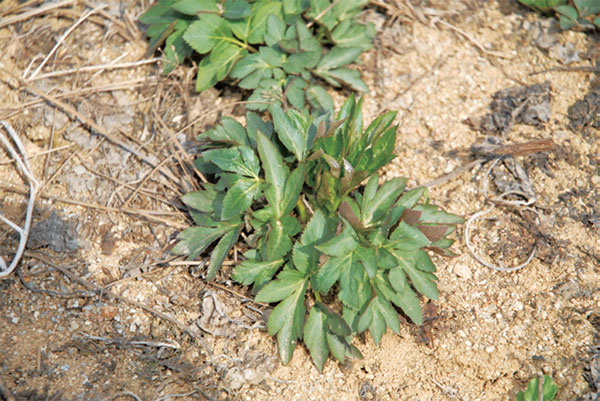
(595, 180)
(489, 349)
(463, 271)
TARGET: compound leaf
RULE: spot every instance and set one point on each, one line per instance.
(238, 159)
(207, 32)
(250, 271)
(239, 198)
(287, 320)
(341, 245)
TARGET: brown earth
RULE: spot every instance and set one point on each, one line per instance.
(101, 311)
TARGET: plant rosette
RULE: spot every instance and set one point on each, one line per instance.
(334, 249)
(282, 51)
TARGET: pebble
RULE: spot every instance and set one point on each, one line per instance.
(463, 271)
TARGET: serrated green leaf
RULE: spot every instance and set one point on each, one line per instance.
(335, 323)
(410, 198)
(248, 65)
(377, 327)
(408, 238)
(234, 9)
(289, 134)
(287, 320)
(160, 12)
(431, 214)
(275, 30)
(294, 7)
(350, 34)
(207, 33)
(176, 49)
(194, 240)
(341, 245)
(304, 257)
(422, 281)
(293, 187)
(239, 198)
(398, 279)
(276, 172)
(253, 28)
(388, 312)
(368, 259)
(423, 262)
(297, 62)
(278, 240)
(195, 7)
(365, 319)
(250, 271)
(355, 289)
(347, 77)
(330, 272)
(217, 65)
(319, 8)
(309, 45)
(336, 346)
(315, 229)
(319, 98)
(408, 302)
(254, 124)
(200, 200)
(230, 132)
(337, 57)
(384, 198)
(288, 281)
(315, 337)
(294, 91)
(238, 159)
(221, 250)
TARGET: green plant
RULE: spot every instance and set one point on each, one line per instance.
(344, 254)
(548, 390)
(571, 13)
(279, 49)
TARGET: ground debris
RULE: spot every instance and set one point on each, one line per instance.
(55, 233)
(521, 105)
(585, 113)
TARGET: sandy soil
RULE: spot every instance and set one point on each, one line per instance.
(101, 311)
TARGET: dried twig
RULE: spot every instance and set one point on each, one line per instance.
(18, 153)
(36, 11)
(91, 124)
(93, 68)
(62, 39)
(152, 215)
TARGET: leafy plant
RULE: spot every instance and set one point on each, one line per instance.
(548, 390)
(281, 50)
(571, 13)
(336, 257)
